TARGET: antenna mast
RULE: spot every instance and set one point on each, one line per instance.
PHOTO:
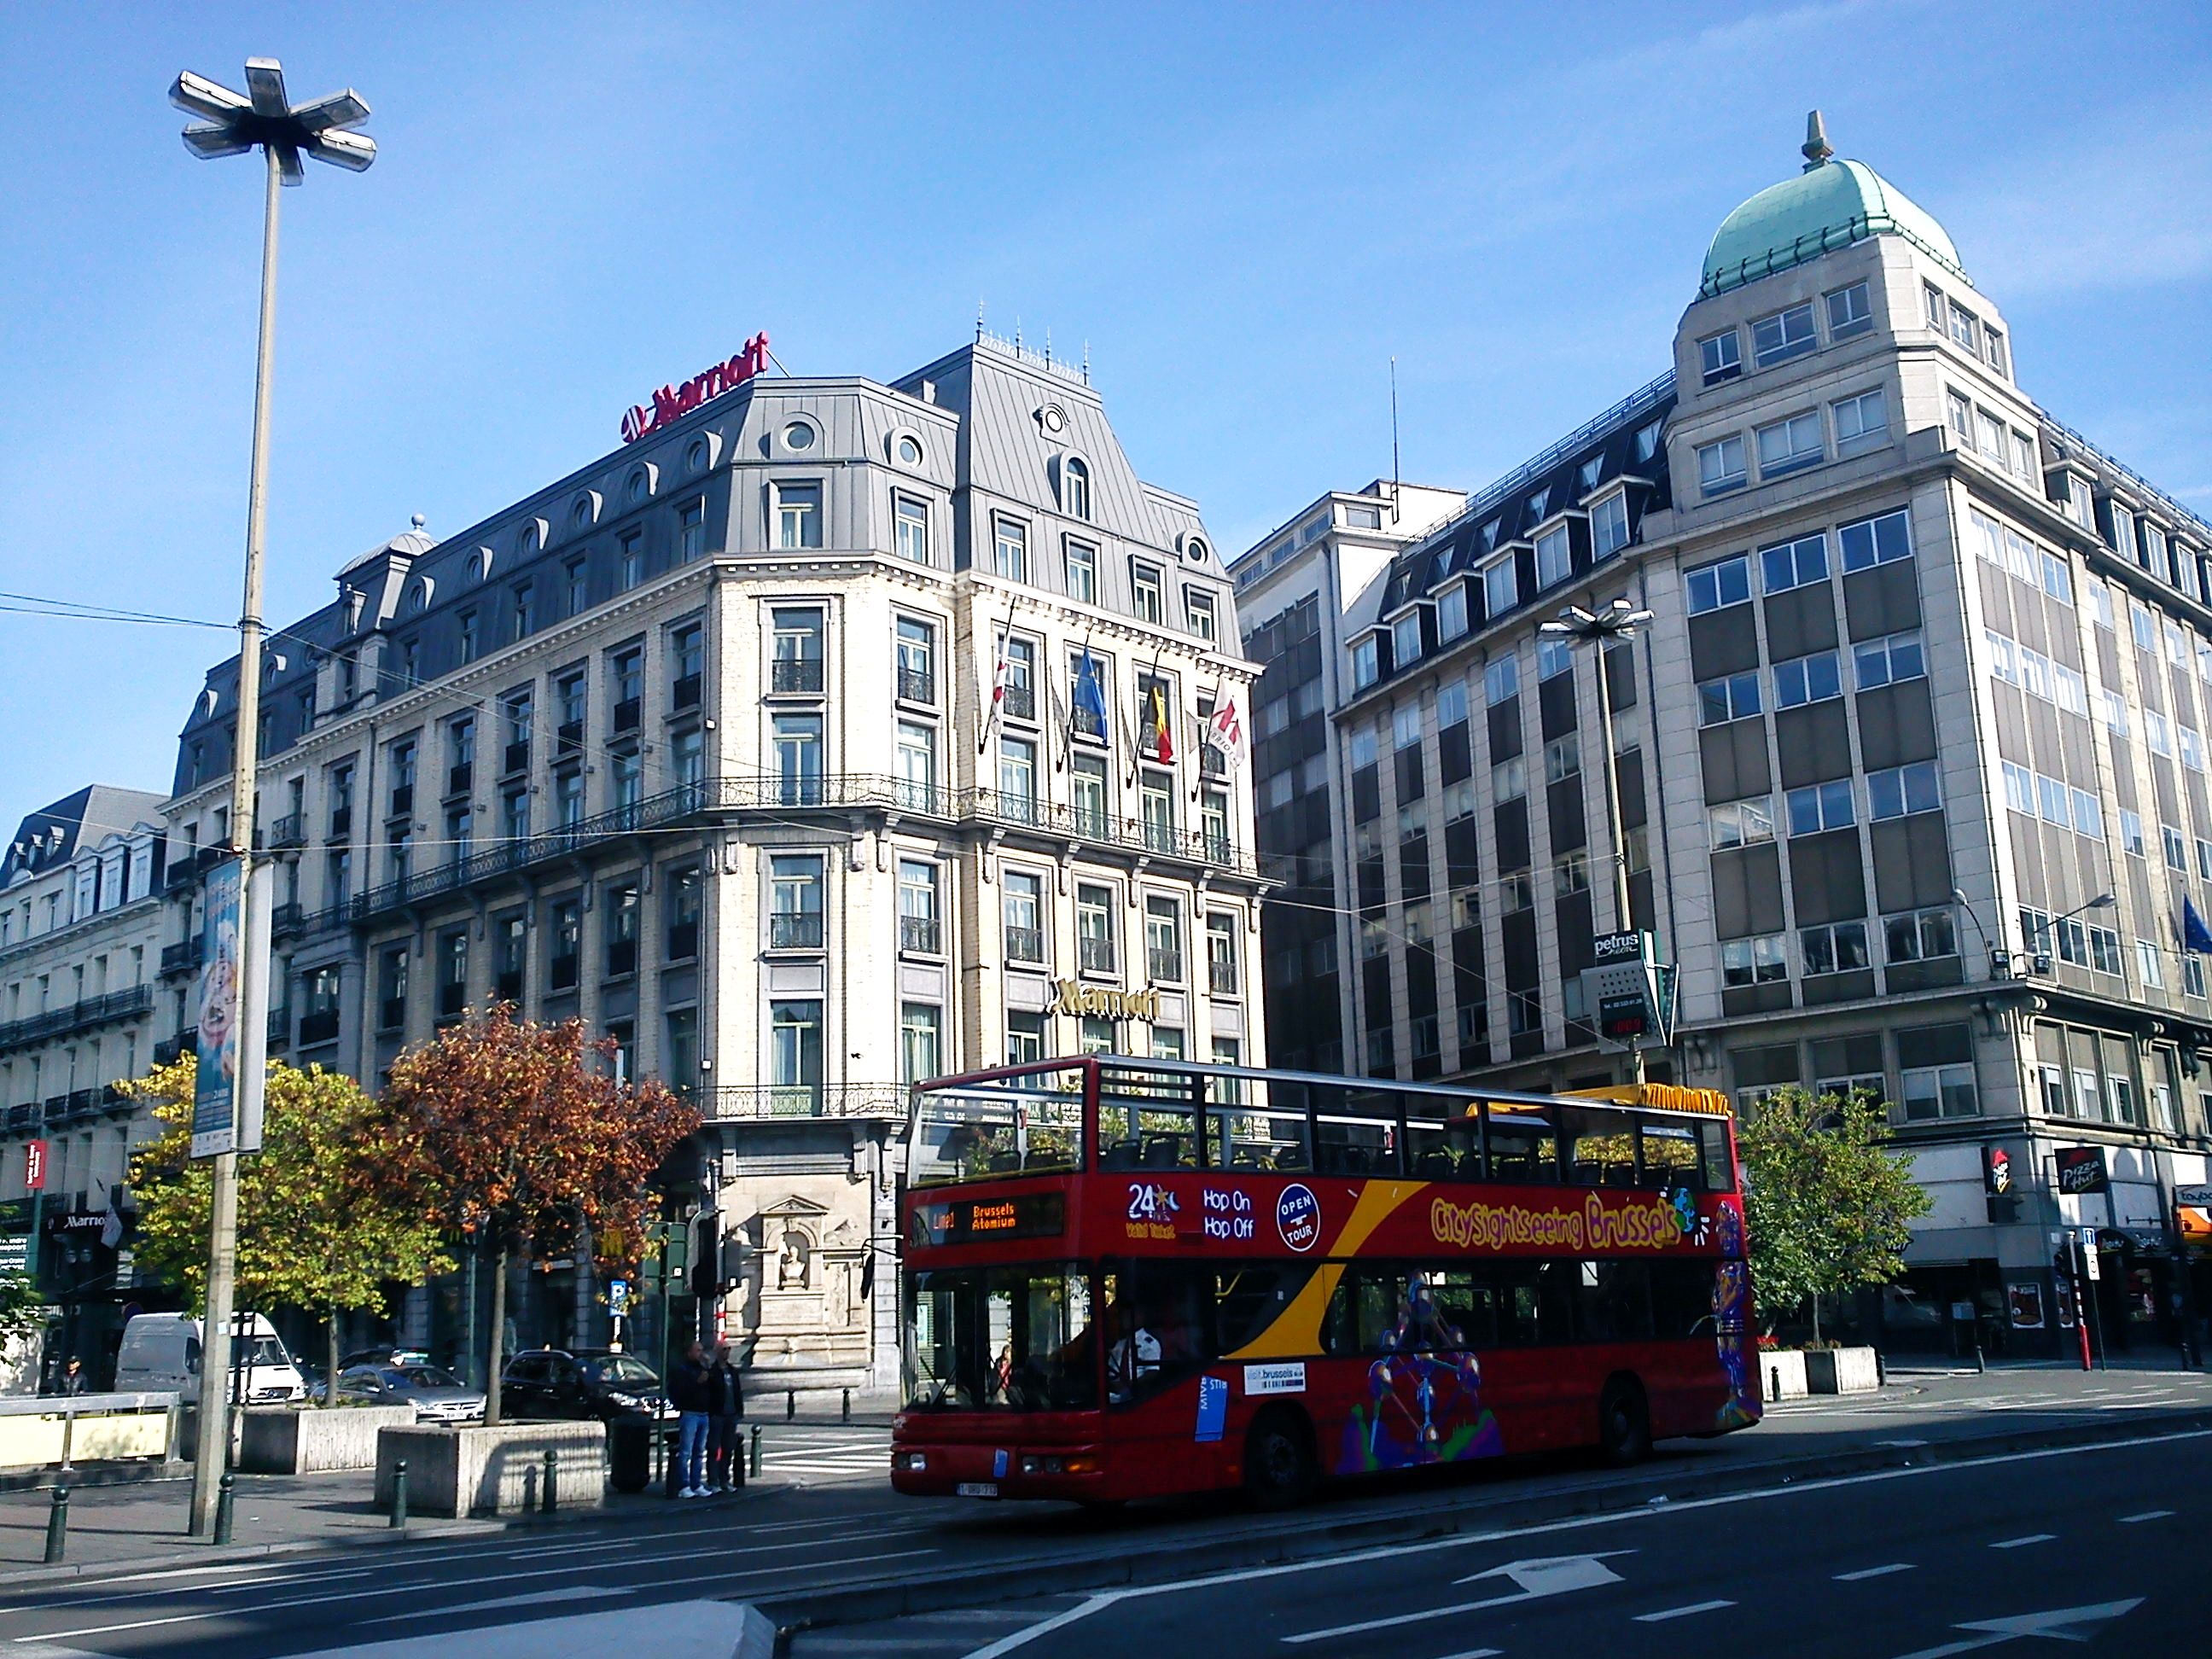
(1393, 439)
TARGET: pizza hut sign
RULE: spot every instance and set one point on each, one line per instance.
(671, 403)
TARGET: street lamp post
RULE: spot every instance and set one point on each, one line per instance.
(1618, 621)
(231, 125)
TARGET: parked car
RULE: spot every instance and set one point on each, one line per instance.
(586, 1382)
(161, 1351)
(436, 1394)
(389, 1354)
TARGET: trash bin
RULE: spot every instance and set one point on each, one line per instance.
(630, 1453)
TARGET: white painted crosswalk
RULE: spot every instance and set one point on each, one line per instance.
(819, 1455)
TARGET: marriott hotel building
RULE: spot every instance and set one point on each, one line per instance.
(698, 744)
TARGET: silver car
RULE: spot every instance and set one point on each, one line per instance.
(437, 1395)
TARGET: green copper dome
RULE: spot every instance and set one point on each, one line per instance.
(1831, 204)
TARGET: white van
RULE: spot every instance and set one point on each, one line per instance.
(161, 1352)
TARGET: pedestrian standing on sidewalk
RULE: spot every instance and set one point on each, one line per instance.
(725, 1409)
(687, 1392)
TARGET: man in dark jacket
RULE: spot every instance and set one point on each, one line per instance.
(687, 1392)
(725, 1408)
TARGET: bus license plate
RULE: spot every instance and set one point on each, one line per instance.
(977, 1489)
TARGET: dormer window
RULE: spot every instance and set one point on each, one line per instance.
(1609, 525)
(1074, 488)
(1721, 357)
(1490, 535)
(1647, 439)
(1366, 663)
(1406, 639)
(1554, 557)
(527, 542)
(1588, 474)
(1451, 611)
(1539, 504)
(1501, 587)
(579, 515)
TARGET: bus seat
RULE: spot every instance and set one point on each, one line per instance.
(1434, 1162)
(1162, 1152)
(1122, 1155)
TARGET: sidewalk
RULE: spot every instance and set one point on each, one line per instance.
(146, 1519)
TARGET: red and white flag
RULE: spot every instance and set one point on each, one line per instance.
(1224, 732)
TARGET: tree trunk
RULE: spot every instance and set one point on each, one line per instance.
(330, 1372)
(498, 1332)
(1816, 1319)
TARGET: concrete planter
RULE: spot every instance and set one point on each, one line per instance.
(494, 1471)
(1780, 1375)
(1842, 1371)
(283, 1441)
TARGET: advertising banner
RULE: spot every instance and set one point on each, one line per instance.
(226, 1101)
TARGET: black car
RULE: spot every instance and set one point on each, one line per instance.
(586, 1382)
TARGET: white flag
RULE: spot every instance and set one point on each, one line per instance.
(1225, 734)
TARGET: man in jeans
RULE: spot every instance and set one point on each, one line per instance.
(725, 1408)
(687, 1392)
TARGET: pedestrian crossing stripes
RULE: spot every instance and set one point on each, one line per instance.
(827, 1455)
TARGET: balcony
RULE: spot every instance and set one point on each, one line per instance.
(341, 821)
(917, 685)
(1020, 701)
(188, 871)
(795, 930)
(182, 957)
(773, 1100)
(171, 1049)
(800, 675)
(1025, 944)
(515, 758)
(1087, 723)
(921, 933)
(319, 1026)
(452, 1002)
(280, 1026)
(286, 919)
(290, 830)
(403, 800)
(1212, 762)
(622, 957)
(126, 1004)
(391, 1013)
(1095, 956)
(627, 714)
(1221, 977)
(832, 791)
(506, 986)
(1164, 966)
(460, 777)
(562, 972)
(568, 737)
(685, 694)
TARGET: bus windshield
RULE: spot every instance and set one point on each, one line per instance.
(1031, 1124)
(1002, 1339)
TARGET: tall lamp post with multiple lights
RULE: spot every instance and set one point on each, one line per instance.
(1618, 621)
(232, 124)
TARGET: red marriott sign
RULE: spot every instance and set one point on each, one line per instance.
(672, 401)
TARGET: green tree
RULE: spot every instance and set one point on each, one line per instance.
(515, 1129)
(320, 1225)
(1825, 1205)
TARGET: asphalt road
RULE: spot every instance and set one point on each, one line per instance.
(646, 1576)
(2103, 1545)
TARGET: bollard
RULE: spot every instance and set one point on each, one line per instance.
(225, 1500)
(69, 1438)
(57, 1525)
(399, 1494)
(545, 1499)
(790, 1404)
(845, 1411)
(756, 1449)
(1981, 1363)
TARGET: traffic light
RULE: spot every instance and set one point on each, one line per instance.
(706, 1260)
(733, 1260)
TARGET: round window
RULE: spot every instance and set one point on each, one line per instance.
(1194, 551)
(1055, 420)
(799, 436)
(581, 514)
(637, 485)
(909, 451)
(695, 458)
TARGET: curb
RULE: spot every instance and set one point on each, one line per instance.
(431, 1529)
(1286, 1539)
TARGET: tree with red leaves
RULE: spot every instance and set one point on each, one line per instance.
(514, 1127)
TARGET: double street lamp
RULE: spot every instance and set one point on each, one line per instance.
(1618, 621)
(232, 124)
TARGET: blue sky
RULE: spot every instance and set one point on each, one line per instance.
(1244, 210)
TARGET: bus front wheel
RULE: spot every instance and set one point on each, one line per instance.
(1624, 1422)
(1278, 1459)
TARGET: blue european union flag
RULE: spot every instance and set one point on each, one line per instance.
(2194, 935)
(1089, 695)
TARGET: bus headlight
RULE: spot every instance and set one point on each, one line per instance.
(912, 1462)
(1076, 1463)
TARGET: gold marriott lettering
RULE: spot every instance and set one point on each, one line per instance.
(1636, 1226)
(1098, 1002)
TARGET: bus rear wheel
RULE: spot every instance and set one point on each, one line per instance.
(1279, 1461)
(1624, 1422)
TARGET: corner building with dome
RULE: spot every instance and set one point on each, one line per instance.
(1912, 757)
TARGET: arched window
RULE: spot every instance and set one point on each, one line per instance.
(1075, 488)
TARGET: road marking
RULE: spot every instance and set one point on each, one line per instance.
(428, 1613)
(1388, 1552)
(2148, 1515)
(2048, 1627)
(1682, 1612)
(1476, 1653)
(1900, 1443)
(529, 1599)
(1546, 1575)
(2032, 1538)
(1874, 1572)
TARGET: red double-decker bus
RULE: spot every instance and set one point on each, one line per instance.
(1131, 1278)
